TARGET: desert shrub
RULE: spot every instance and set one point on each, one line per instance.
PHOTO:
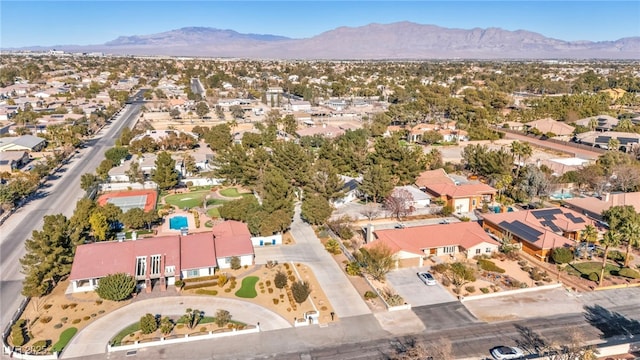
(522, 263)
(222, 280)
(333, 247)
(268, 283)
(286, 266)
(179, 284)
(17, 333)
(85, 318)
(76, 321)
(166, 325)
(223, 317)
(270, 290)
(353, 268)
(280, 280)
(116, 287)
(94, 315)
(64, 306)
(489, 265)
(594, 276)
(47, 306)
(292, 278)
(276, 301)
(72, 305)
(46, 319)
(99, 302)
(227, 290)
(206, 292)
(445, 281)
(536, 274)
(617, 256)
(342, 227)
(562, 255)
(100, 311)
(370, 295)
(235, 262)
(41, 345)
(439, 268)
(629, 273)
(301, 291)
(470, 289)
(58, 326)
(484, 290)
(64, 319)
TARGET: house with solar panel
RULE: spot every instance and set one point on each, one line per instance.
(538, 231)
(628, 141)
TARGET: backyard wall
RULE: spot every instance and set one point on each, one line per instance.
(262, 240)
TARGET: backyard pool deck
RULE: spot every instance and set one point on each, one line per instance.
(166, 230)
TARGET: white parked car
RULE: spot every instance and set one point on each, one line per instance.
(507, 352)
(427, 278)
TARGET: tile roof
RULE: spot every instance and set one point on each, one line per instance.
(552, 126)
(437, 176)
(232, 238)
(597, 206)
(458, 191)
(198, 251)
(103, 258)
(541, 227)
(416, 239)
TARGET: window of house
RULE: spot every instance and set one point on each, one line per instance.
(170, 269)
(478, 251)
(449, 250)
(193, 273)
(155, 265)
(473, 202)
(141, 265)
(488, 250)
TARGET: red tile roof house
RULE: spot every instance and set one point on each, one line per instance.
(162, 260)
(412, 245)
(538, 231)
(593, 207)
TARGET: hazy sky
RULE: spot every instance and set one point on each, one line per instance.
(47, 23)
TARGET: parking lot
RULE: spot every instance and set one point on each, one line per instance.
(407, 284)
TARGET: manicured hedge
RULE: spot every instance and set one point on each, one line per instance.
(200, 278)
(200, 285)
(629, 273)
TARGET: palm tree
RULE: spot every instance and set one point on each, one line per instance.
(521, 151)
(589, 234)
(609, 239)
(631, 232)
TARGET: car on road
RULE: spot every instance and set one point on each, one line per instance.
(399, 226)
(507, 352)
(427, 278)
(444, 221)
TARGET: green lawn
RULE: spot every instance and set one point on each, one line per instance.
(211, 202)
(585, 268)
(64, 339)
(248, 288)
(188, 200)
(213, 212)
(117, 340)
(233, 192)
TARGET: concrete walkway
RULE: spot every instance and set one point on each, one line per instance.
(94, 338)
(309, 250)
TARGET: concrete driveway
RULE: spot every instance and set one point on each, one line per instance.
(415, 292)
(309, 250)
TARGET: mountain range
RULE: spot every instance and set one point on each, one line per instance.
(396, 41)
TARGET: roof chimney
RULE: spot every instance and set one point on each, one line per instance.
(369, 235)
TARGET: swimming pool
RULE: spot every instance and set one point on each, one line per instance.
(561, 196)
(178, 222)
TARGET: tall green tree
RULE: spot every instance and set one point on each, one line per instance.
(49, 255)
(625, 221)
(316, 210)
(376, 260)
(165, 173)
(116, 154)
(610, 239)
(202, 109)
(99, 225)
(277, 192)
(325, 181)
(79, 221)
(377, 183)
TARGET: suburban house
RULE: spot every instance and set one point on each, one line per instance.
(538, 231)
(601, 140)
(162, 260)
(464, 197)
(593, 207)
(429, 177)
(420, 198)
(12, 160)
(412, 245)
(562, 165)
(350, 189)
(550, 126)
(327, 131)
(599, 122)
(22, 143)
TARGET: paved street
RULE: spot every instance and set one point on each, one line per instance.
(58, 196)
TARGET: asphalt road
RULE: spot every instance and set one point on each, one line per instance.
(59, 195)
(362, 337)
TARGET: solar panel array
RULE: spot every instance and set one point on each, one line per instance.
(574, 219)
(547, 214)
(521, 230)
(549, 224)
